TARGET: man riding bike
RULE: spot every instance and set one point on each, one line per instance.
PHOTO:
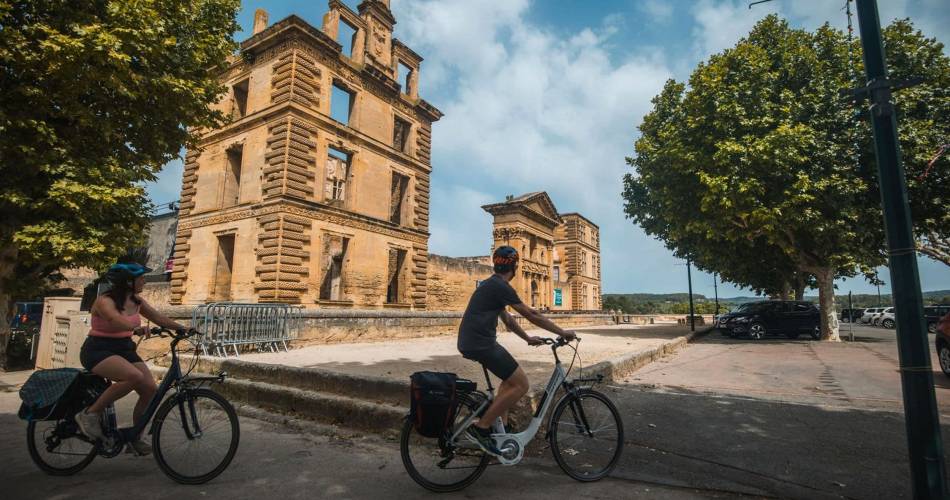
(110, 352)
(477, 340)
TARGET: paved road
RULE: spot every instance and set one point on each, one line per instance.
(799, 419)
(722, 419)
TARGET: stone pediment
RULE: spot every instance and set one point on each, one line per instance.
(537, 203)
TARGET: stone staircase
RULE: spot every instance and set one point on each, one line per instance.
(361, 403)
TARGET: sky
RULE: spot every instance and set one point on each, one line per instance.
(546, 95)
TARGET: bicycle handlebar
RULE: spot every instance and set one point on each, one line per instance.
(177, 334)
(559, 342)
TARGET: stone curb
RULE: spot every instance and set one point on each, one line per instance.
(371, 403)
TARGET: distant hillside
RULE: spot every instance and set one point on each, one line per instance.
(678, 303)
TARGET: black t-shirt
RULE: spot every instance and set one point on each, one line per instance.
(480, 320)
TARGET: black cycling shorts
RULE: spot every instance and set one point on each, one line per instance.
(96, 349)
(496, 359)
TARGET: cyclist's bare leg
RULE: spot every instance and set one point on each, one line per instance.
(509, 392)
(124, 376)
(146, 390)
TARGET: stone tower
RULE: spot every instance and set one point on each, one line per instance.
(317, 190)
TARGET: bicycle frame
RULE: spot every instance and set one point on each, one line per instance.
(173, 377)
(512, 445)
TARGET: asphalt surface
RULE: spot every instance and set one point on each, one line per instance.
(723, 418)
(790, 419)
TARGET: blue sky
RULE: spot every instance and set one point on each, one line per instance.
(547, 95)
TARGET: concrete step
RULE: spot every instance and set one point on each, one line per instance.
(335, 409)
(362, 387)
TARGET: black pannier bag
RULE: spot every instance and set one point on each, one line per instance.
(432, 402)
(58, 393)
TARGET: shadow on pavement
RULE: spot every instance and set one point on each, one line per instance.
(760, 447)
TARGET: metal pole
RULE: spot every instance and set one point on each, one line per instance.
(880, 303)
(850, 316)
(922, 420)
(689, 278)
(716, 290)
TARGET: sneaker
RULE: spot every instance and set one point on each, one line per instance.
(139, 447)
(91, 425)
(482, 437)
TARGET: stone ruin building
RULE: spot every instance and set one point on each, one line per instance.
(560, 253)
(317, 190)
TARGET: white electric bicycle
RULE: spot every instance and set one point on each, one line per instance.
(585, 432)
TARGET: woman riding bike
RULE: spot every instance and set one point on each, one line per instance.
(110, 352)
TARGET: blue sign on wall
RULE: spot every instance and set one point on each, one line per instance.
(557, 296)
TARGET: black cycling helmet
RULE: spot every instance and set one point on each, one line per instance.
(505, 259)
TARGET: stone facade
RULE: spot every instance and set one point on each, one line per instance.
(560, 254)
(577, 250)
(451, 280)
(317, 191)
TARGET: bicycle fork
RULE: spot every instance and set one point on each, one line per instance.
(581, 424)
(186, 408)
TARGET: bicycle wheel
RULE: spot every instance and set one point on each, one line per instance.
(195, 436)
(442, 468)
(586, 435)
(57, 446)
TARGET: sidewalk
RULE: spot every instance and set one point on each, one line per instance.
(399, 358)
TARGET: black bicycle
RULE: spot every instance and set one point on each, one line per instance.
(195, 431)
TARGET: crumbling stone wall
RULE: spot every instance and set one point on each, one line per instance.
(451, 281)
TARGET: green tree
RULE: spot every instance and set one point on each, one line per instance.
(94, 98)
(755, 171)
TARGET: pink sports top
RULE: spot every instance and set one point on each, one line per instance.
(100, 327)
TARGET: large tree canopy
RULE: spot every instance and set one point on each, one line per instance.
(94, 98)
(762, 172)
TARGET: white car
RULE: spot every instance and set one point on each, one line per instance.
(869, 314)
(885, 318)
(878, 318)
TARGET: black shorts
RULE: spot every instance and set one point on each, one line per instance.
(496, 359)
(96, 349)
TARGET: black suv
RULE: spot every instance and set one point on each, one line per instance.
(933, 314)
(851, 315)
(772, 317)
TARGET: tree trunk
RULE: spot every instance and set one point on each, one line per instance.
(826, 303)
(7, 264)
(799, 286)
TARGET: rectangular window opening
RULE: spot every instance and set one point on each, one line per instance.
(240, 90)
(400, 134)
(341, 104)
(346, 35)
(405, 78)
(396, 289)
(399, 189)
(334, 256)
(557, 274)
(338, 170)
(232, 176)
(223, 268)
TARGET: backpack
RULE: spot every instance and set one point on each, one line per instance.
(58, 393)
(432, 402)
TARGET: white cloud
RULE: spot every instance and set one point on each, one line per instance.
(528, 110)
(720, 24)
(659, 11)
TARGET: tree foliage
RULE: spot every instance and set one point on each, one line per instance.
(761, 172)
(94, 98)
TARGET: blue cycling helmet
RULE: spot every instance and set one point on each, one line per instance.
(125, 272)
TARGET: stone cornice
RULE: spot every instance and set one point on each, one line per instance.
(575, 214)
(573, 241)
(508, 208)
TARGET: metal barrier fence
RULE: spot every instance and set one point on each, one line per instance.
(232, 326)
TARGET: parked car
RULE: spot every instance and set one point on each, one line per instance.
(942, 328)
(933, 314)
(887, 318)
(772, 317)
(878, 318)
(869, 314)
(26, 314)
(851, 315)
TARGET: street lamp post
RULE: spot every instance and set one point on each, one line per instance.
(689, 278)
(716, 290)
(922, 420)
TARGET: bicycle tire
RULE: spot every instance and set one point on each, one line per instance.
(159, 427)
(577, 399)
(31, 437)
(406, 437)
